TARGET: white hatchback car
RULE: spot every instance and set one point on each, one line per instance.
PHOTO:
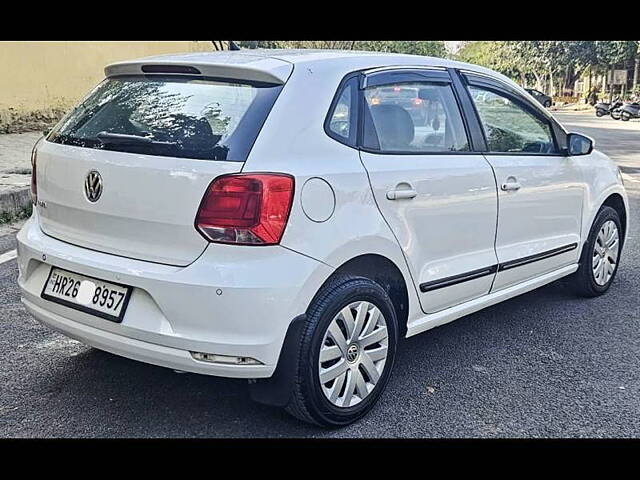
(287, 216)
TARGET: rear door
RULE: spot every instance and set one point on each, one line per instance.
(436, 194)
(125, 171)
(541, 189)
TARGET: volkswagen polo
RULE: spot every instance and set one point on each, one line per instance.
(277, 216)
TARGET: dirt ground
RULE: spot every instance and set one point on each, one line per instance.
(14, 122)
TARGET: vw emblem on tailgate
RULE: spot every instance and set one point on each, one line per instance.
(93, 186)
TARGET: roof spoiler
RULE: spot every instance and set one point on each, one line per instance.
(263, 70)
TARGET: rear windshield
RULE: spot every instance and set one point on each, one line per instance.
(171, 116)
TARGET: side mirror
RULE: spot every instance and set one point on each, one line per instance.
(579, 144)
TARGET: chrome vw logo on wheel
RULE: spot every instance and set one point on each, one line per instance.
(352, 353)
(93, 186)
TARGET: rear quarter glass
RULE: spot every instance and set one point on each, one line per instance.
(175, 116)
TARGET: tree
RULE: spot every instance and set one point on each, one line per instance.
(428, 48)
(514, 59)
(480, 53)
(554, 64)
(432, 48)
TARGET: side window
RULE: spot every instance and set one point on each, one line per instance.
(510, 127)
(418, 117)
(341, 123)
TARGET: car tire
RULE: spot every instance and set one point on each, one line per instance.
(599, 113)
(547, 103)
(319, 403)
(624, 116)
(587, 283)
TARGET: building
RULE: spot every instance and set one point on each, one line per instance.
(42, 80)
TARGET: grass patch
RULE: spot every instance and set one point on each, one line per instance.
(22, 214)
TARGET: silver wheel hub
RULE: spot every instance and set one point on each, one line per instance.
(353, 354)
(605, 253)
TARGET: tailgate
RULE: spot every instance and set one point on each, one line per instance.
(126, 170)
(147, 206)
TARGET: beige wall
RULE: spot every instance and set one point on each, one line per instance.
(52, 76)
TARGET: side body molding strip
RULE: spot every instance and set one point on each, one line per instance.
(465, 277)
(455, 279)
(538, 256)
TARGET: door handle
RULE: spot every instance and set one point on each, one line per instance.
(401, 194)
(510, 185)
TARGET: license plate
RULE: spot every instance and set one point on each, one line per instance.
(90, 295)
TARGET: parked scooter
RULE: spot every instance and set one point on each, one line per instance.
(629, 111)
(613, 109)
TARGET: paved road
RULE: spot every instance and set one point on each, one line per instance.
(545, 364)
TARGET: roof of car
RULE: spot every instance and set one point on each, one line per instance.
(270, 63)
(304, 55)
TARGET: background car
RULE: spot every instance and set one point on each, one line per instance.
(544, 99)
(406, 97)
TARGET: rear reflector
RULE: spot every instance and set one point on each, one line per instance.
(226, 359)
(246, 209)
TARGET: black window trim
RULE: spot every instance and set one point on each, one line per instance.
(469, 113)
(460, 79)
(497, 86)
(354, 115)
(389, 75)
(429, 74)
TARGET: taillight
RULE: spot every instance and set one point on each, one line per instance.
(417, 101)
(34, 180)
(248, 209)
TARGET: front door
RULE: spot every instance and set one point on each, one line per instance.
(540, 189)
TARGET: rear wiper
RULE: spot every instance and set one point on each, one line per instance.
(121, 138)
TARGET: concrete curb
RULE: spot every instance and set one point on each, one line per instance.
(14, 200)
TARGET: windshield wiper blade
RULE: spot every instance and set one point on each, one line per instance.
(108, 137)
(121, 138)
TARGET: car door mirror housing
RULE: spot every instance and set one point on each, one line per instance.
(579, 144)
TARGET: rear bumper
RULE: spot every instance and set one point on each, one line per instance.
(233, 300)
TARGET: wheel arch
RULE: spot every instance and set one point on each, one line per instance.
(616, 202)
(615, 198)
(388, 275)
(276, 390)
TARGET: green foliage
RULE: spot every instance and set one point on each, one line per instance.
(487, 54)
(10, 217)
(546, 56)
(259, 44)
(431, 48)
(555, 64)
(607, 52)
(558, 62)
(428, 48)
